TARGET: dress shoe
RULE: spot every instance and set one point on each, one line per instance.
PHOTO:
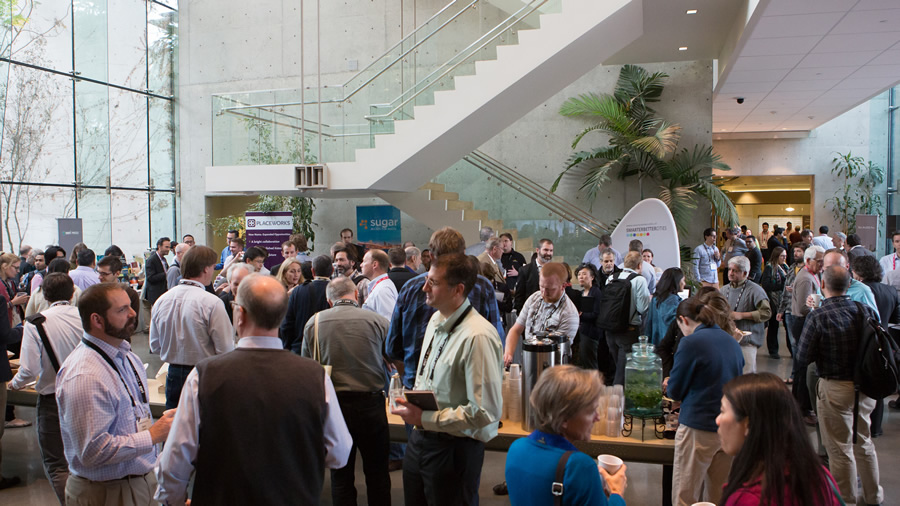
(894, 404)
(811, 419)
(9, 482)
(500, 489)
(395, 465)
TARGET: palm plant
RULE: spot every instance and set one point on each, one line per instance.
(644, 145)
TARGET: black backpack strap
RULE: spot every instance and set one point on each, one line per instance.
(557, 487)
(38, 321)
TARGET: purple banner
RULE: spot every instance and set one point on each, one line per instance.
(269, 230)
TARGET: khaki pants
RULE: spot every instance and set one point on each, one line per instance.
(835, 408)
(131, 491)
(2, 405)
(749, 353)
(700, 465)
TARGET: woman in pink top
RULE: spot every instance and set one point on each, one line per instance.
(774, 462)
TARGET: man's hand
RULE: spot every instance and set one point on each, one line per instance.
(779, 317)
(159, 431)
(614, 483)
(409, 412)
(739, 315)
(507, 358)
(512, 272)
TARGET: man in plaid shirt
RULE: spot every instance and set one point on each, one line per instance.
(831, 338)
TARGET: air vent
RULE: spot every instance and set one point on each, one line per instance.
(310, 176)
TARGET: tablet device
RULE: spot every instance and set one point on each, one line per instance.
(423, 399)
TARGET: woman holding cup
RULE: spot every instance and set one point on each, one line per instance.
(774, 462)
(565, 401)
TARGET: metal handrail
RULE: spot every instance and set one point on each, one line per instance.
(531, 10)
(537, 193)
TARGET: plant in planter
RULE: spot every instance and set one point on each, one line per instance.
(644, 145)
(856, 194)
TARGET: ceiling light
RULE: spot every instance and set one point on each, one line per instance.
(789, 209)
(691, 11)
(682, 48)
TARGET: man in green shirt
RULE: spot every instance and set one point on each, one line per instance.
(461, 363)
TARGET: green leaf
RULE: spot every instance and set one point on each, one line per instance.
(662, 142)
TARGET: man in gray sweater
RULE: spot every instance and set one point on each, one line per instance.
(750, 309)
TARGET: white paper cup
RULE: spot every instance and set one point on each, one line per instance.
(817, 300)
(610, 463)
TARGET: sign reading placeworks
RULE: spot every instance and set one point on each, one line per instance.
(651, 222)
(269, 230)
(378, 224)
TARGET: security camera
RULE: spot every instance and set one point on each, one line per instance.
(740, 100)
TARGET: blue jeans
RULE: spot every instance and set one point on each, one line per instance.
(175, 382)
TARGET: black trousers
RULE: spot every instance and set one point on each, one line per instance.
(440, 469)
(368, 425)
(606, 363)
(772, 335)
(800, 386)
(175, 379)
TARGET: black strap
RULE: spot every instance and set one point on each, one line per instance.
(112, 364)
(38, 321)
(441, 349)
(557, 487)
(861, 319)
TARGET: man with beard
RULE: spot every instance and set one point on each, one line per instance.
(529, 275)
(511, 259)
(107, 430)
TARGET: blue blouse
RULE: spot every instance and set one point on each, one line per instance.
(531, 470)
(659, 317)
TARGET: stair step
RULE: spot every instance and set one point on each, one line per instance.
(475, 214)
(443, 195)
(511, 231)
(433, 186)
(459, 204)
(494, 224)
(525, 245)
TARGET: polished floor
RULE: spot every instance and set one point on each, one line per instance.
(21, 458)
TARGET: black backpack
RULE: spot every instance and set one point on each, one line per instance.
(876, 373)
(615, 304)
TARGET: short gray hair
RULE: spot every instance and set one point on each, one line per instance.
(412, 251)
(741, 262)
(811, 252)
(492, 243)
(182, 247)
(561, 393)
(241, 265)
(338, 288)
(842, 235)
(485, 233)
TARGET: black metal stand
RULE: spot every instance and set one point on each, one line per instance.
(659, 423)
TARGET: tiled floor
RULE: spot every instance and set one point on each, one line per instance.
(21, 458)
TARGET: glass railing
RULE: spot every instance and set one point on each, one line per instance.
(523, 205)
(329, 123)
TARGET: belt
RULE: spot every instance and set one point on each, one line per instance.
(181, 366)
(348, 393)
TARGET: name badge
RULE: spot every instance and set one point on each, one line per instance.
(144, 424)
(713, 266)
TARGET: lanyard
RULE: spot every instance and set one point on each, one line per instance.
(815, 278)
(441, 349)
(113, 365)
(378, 283)
(740, 296)
(534, 315)
(895, 262)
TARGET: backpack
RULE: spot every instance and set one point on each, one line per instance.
(615, 304)
(876, 373)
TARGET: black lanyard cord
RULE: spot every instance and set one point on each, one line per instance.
(113, 365)
(441, 348)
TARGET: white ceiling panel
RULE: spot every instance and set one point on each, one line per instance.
(890, 57)
(817, 73)
(878, 71)
(813, 85)
(868, 83)
(787, 61)
(793, 95)
(799, 25)
(861, 41)
(854, 58)
(757, 76)
(869, 21)
(865, 5)
(741, 89)
(779, 46)
(792, 7)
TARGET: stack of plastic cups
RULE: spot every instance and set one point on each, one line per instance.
(515, 393)
(504, 393)
(599, 427)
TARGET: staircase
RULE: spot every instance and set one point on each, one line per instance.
(376, 134)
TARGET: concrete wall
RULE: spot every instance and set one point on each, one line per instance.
(850, 132)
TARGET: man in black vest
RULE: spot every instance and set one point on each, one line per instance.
(529, 275)
(156, 270)
(306, 300)
(261, 442)
(399, 274)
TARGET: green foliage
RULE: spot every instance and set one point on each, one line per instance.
(856, 194)
(638, 143)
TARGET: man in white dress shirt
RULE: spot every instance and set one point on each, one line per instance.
(189, 323)
(62, 328)
(823, 239)
(382, 294)
(271, 440)
(891, 262)
(84, 275)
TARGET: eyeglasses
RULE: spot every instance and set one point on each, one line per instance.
(235, 304)
(104, 273)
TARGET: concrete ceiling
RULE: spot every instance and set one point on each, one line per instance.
(796, 63)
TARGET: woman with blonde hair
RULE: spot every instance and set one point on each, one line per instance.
(565, 401)
(289, 274)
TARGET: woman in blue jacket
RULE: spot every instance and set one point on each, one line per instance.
(565, 401)
(665, 302)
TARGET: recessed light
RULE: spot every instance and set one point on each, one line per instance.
(691, 11)
(789, 209)
(682, 48)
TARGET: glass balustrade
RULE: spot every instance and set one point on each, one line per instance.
(330, 123)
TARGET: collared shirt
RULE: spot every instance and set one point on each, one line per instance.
(463, 369)
(593, 256)
(640, 295)
(96, 415)
(83, 277)
(538, 315)
(64, 331)
(824, 241)
(830, 338)
(705, 265)
(189, 324)
(173, 275)
(859, 292)
(412, 314)
(889, 263)
(382, 296)
(748, 297)
(764, 237)
(222, 257)
(176, 464)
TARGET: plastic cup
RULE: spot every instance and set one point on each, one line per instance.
(610, 463)
(817, 300)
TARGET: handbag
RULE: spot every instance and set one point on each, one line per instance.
(557, 487)
(316, 353)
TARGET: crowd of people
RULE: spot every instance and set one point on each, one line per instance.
(444, 320)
